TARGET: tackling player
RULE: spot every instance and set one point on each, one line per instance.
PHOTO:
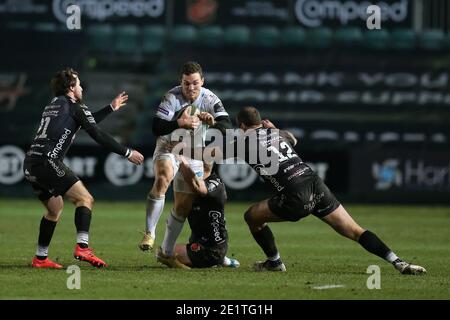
(208, 242)
(299, 193)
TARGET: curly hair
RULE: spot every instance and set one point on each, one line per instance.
(63, 80)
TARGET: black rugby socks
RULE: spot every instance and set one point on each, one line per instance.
(46, 229)
(266, 241)
(369, 241)
(83, 222)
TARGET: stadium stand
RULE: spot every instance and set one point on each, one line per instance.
(210, 36)
(236, 35)
(127, 39)
(100, 37)
(403, 39)
(319, 38)
(153, 38)
(183, 34)
(293, 37)
(265, 36)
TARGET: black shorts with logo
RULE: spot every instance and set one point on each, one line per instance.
(204, 257)
(48, 177)
(311, 197)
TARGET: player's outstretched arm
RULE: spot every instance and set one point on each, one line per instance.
(135, 157)
(118, 102)
(85, 119)
(197, 184)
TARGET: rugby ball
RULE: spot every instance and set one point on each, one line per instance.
(191, 110)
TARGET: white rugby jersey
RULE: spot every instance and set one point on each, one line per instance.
(174, 101)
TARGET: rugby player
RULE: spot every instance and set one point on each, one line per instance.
(208, 242)
(172, 114)
(51, 179)
(299, 193)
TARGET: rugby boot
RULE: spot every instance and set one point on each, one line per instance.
(170, 261)
(46, 263)
(230, 263)
(147, 242)
(408, 268)
(87, 255)
(269, 265)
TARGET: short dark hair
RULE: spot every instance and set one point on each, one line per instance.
(63, 80)
(191, 67)
(249, 116)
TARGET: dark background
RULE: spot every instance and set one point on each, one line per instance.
(370, 107)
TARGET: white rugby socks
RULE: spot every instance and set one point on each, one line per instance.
(155, 206)
(174, 227)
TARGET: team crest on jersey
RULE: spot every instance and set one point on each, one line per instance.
(195, 247)
(218, 107)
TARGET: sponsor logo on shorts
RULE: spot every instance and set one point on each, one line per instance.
(60, 173)
(313, 200)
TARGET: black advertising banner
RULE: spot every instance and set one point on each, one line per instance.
(361, 175)
(199, 12)
(118, 11)
(332, 13)
(110, 176)
(334, 87)
(306, 13)
(401, 175)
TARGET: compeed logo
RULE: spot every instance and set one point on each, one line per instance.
(313, 13)
(104, 9)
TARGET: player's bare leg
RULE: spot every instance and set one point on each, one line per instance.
(164, 173)
(257, 217)
(84, 202)
(344, 224)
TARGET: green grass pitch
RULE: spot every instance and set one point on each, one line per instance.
(314, 255)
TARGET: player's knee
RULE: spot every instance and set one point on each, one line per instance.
(248, 217)
(85, 201)
(161, 185)
(53, 215)
(351, 232)
(182, 210)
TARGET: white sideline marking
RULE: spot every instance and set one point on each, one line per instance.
(329, 286)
